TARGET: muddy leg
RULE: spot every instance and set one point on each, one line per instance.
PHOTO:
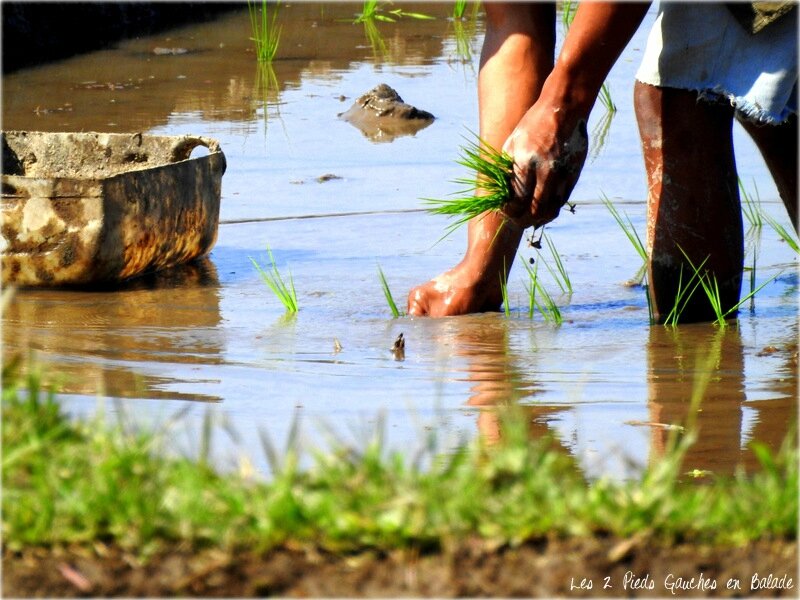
(778, 146)
(693, 197)
(517, 57)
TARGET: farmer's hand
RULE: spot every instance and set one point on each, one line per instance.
(549, 147)
(550, 143)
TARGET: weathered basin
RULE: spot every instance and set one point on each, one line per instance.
(86, 208)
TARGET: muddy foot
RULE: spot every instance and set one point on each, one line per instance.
(452, 294)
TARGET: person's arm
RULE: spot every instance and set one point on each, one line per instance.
(550, 143)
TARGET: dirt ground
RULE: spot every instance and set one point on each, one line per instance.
(546, 568)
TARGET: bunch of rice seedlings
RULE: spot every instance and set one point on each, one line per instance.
(489, 190)
(265, 28)
(272, 277)
(458, 9)
(388, 294)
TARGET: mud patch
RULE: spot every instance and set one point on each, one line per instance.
(543, 568)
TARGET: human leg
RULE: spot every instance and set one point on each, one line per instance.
(778, 146)
(516, 58)
(693, 197)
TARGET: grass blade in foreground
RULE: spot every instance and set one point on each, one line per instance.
(388, 294)
(489, 190)
(82, 482)
(285, 293)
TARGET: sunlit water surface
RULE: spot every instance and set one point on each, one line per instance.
(603, 383)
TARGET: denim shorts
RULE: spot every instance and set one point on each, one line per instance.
(701, 47)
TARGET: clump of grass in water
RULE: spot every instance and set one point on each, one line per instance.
(272, 277)
(396, 313)
(489, 190)
(265, 28)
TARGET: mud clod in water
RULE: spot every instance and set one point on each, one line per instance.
(382, 115)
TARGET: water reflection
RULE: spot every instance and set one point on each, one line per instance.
(100, 339)
(700, 366)
(704, 360)
(137, 87)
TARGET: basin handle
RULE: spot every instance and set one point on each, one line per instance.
(183, 146)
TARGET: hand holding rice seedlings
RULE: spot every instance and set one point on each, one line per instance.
(388, 294)
(488, 191)
(272, 277)
(266, 31)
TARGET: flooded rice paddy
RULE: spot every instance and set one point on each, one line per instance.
(333, 203)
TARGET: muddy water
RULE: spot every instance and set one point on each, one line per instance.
(332, 204)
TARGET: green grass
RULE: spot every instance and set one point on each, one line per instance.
(547, 306)
(459, 7)
(560, 274)
(265, 29)
(627, 227)
(376, 10)
(504, 290)
(272, 277)
(708, 282)
(751, 205)
(86, 481)
(789, 237)
(388, 294)
(488, 189)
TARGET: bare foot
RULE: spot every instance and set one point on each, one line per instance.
(456, 292)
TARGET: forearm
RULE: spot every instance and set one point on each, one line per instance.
(596, 38)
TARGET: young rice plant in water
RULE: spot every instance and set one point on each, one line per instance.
(272, 277)
(265, 28)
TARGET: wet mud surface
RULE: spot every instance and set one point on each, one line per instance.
(544, 568)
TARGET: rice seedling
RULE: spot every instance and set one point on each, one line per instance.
(458, 9)
(600, 134)
(504, 290)
(265, 28)
(547, 306)
(272, 277)
(790, 238)
(711, 289)
(560, 276)
(376, 41)
(374, 10)
(388, 294)
(682, 297)
(751, 206)
(489, 190)
(627, 227)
